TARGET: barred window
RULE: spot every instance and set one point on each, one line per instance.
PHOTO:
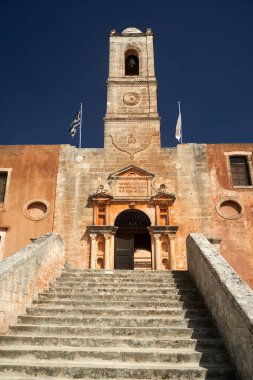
(3, 181)
(240, 171)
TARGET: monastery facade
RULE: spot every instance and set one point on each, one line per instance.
(131, 204)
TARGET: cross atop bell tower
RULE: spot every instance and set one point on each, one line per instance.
(131, 85)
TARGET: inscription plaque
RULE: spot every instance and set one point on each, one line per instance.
(129, 187)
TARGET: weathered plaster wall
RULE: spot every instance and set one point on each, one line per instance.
(228, 298)
(236, 235)
(26, 273)
(33, 175)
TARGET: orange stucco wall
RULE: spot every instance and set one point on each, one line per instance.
(236, 235)
(33, 174)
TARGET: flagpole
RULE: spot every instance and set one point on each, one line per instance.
(80, 129)
(179, 110)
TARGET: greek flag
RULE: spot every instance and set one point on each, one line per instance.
(75, 124)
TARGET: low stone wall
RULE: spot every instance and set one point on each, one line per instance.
(26, 273)
(228, 298)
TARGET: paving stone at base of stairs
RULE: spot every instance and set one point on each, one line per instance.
(97, 325)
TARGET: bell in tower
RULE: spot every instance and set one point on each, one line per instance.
(131, 65)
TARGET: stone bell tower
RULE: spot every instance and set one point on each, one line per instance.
(131, 119)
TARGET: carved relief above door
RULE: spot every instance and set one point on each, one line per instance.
(134, 143)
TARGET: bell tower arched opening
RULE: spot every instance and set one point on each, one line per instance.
(132, 241)
(131, 62)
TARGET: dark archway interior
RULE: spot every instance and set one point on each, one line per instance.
(132, 235)
(142, 241)
(132, 218)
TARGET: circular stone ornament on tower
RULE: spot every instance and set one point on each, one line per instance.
(229, 208)
(36, 209)
(131, 98)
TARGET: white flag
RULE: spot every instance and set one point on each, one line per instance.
(75, 124)
(178, 133)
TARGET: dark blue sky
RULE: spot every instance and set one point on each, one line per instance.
(54, 53)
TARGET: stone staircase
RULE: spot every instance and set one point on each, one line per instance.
(121, 325)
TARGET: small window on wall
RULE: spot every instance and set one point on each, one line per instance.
(101, 221)
(3, 182)
(131, 63)
(163, 216)
(240, 171)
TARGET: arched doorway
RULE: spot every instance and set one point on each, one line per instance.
(132, 241)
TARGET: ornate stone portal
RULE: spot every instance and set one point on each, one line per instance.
(131, 223)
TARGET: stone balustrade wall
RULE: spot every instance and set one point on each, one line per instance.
(26, 273)
(228, 298)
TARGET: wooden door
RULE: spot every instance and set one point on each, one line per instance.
(124, 249)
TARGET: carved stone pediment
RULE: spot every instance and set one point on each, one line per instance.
(131, 171)
(164, 197)
(100, 197)
(131, 182)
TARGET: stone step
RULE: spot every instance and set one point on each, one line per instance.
(111, 285)
(94, 290)
(121, 297)
(72, 281)
(125, 273)
(18, 376)
(136, 332)
(128, 304)
(105, 370)
(97, 341)
(125, 278)
(117, 322)
(120, 290)
(92, 312)
(139, 355)
(124, 281)
(120, 325)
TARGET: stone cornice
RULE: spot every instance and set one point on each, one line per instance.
(144, 83)
(127, 119)
(93, 229)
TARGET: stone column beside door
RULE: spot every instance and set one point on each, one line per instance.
(107, 232)
(93, 251)
(156, 233)
(107, 251)
(157, 238)
(172, 238)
